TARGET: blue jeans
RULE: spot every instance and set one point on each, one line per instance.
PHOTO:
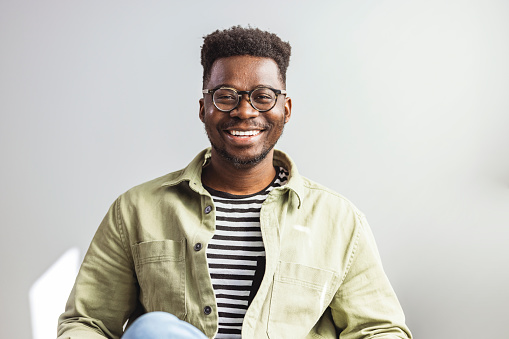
(161, 325)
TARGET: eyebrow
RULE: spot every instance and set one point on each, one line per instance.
(231, 86)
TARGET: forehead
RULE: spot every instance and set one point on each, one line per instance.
(244, 72)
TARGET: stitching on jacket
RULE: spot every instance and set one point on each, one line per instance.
(123, 237)
(351, 258)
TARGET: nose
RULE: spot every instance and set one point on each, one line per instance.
(244, 110)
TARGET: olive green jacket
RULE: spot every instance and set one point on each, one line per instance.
(323, 276)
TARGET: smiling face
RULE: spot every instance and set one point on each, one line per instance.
(244, 137)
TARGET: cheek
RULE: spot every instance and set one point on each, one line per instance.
(206, 108)
(211, 122)
(279, 118)
(208, 115)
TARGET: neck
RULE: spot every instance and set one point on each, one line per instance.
(223, 176)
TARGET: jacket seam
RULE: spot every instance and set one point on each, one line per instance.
(352, 256)
(123, 236)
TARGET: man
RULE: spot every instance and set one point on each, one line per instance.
(237, 243)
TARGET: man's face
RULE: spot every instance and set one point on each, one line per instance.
(244, 136)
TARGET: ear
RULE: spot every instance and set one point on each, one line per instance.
(202, 110)
(288, 109)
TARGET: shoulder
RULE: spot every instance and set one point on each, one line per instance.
(315, 193)
(319, 195)
(169, 183)
(151, 191)
(315, 187)
(312, 195)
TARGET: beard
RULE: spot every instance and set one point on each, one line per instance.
(243, 162)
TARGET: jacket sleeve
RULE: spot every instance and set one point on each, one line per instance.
(365, 306)
(105, 293)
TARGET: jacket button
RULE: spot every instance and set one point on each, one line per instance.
(208, 209)
(207, 310)
(198, 246)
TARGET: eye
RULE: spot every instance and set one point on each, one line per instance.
(225, 96)
(262, 98)
(263, 95)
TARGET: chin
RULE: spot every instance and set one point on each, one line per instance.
(242, 162)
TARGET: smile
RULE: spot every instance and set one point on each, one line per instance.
(244, 133)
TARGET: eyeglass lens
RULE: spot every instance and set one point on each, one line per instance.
(262, 99)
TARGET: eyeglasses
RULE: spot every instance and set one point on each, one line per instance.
(262, 99)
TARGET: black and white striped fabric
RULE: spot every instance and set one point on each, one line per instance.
(236, 255)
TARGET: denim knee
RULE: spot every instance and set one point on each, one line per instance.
(161, 325)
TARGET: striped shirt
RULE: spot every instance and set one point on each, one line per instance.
(236, 254)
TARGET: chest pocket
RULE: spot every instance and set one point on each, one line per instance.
(161, 272)
(300, 296)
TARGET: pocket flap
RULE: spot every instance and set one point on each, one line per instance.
(158, 250)
(315, 278)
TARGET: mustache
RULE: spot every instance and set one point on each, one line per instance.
(243, 125)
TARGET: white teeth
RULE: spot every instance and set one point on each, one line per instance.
(242, 133)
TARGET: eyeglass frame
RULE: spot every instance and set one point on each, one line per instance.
(239, 96)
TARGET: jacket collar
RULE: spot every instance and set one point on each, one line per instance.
(192, 173)
(295, 182)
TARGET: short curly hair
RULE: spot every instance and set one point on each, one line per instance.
(244, 41)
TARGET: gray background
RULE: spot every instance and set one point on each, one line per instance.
(401, 106)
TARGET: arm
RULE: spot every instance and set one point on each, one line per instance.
(105, 293)
(365, 306)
